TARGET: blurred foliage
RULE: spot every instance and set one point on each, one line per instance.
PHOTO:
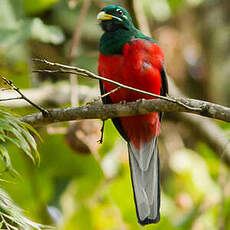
(11, 216)
(41, 5)
(71, 190)
(12, 130)
(16, 28)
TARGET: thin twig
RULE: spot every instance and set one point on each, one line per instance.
(10, 99)
(10, 83)
(86, 73)
(49, 94)
(110, 92)
(102, 96)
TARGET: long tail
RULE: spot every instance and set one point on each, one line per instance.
(144, 166)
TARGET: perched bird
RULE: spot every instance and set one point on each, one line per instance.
(131, 58)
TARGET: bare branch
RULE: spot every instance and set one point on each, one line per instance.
(104, 95)
(10, 83)
(85, 73)
(207, 129)
(11, 99)
(128, 109)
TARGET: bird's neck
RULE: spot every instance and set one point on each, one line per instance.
(111, 43)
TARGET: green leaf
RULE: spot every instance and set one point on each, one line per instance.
(31, 129)
(16, 132)
(12, 218)
(5, 156)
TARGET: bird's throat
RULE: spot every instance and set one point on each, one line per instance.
(111, 43)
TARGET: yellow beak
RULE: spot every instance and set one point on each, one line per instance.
(103, 16)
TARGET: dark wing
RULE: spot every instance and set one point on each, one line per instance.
(164, 86)
(164, 82)
(116, 121)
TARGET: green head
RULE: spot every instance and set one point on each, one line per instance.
(119, 29)
(114, 18)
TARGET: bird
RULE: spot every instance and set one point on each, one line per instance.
(131, 58)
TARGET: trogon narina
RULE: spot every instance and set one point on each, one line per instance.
(129, 57)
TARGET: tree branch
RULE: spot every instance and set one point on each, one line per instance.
(85, 73)
(205, 129)
(128, 109)
(165, 104)
(13, 87)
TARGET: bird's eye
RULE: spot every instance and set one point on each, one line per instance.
(120, 12)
